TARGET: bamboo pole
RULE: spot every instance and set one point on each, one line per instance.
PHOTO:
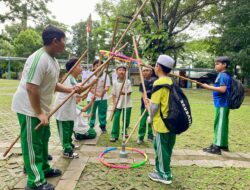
(145, 97)
(130, 24)
(111, 48)
(133, 130)
(185, 78)
(76, 64)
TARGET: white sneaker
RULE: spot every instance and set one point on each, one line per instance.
(156, 177)
(71, 155)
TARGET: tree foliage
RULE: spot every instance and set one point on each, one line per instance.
(27, 42)
(161, 22)
(24, 10)
(234, 25)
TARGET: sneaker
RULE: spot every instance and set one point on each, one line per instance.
(156, 177)
(208, 148)
(139, 141)
(74, 146)
(112, 139)
(71, 155)
(50, 157)
(104, 130)
(46, 186)
(150, 140)
(213, 150)
(53, 173)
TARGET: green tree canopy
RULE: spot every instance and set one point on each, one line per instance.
(24, 10)
(234, 25)
(27, 42)
(161, 22)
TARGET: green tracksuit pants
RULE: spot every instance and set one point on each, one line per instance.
(102, 106)
(221, 126)
(163, 145)
(143, 127)
(90, 134)
(65, 130)
(116, 121)
(34, 149)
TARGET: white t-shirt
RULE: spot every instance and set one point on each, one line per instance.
(68, 110)
(99, 88)
(42, 70)
(81, 125)
(115, 91)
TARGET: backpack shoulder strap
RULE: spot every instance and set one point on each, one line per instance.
(158, 87)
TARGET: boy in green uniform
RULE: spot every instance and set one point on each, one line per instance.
(121, 72)
(101, 101)
(221, 91)
(164, 139)
(32, 102)
(66, 115)
(148, 81)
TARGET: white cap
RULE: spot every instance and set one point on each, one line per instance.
(166, 61)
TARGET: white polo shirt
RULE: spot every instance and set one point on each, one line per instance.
(99, 88)
(81, 124)
(115, 91)
(40, 69)
(68, 110)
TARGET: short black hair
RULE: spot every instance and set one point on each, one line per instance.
(70, 63)
(165, 70)
(50, 33)
(97, 61)
(223, 59)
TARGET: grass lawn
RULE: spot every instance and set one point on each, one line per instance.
(200, 133)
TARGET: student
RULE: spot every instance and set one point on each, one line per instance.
(66, 115)
(164, 139)
(82, 130)
(101, 102)
(148, 81)
(32, 102)
(121, 74)
(221, 91)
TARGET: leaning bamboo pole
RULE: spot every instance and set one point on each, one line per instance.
(76, 64)
(145, 97)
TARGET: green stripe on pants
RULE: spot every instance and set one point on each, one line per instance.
(221, 126)
(116, 122)
(65, 130)
(143, 126)
(163, 145)
(34, 149)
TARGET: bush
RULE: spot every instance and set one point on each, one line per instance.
(13, 75)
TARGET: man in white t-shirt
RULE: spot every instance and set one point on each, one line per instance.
(32, 102)
(101, 102)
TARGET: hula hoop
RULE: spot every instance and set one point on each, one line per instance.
(136, 165)
(120, 57)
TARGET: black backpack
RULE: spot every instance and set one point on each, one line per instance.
(179, 117)
(236, 95)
